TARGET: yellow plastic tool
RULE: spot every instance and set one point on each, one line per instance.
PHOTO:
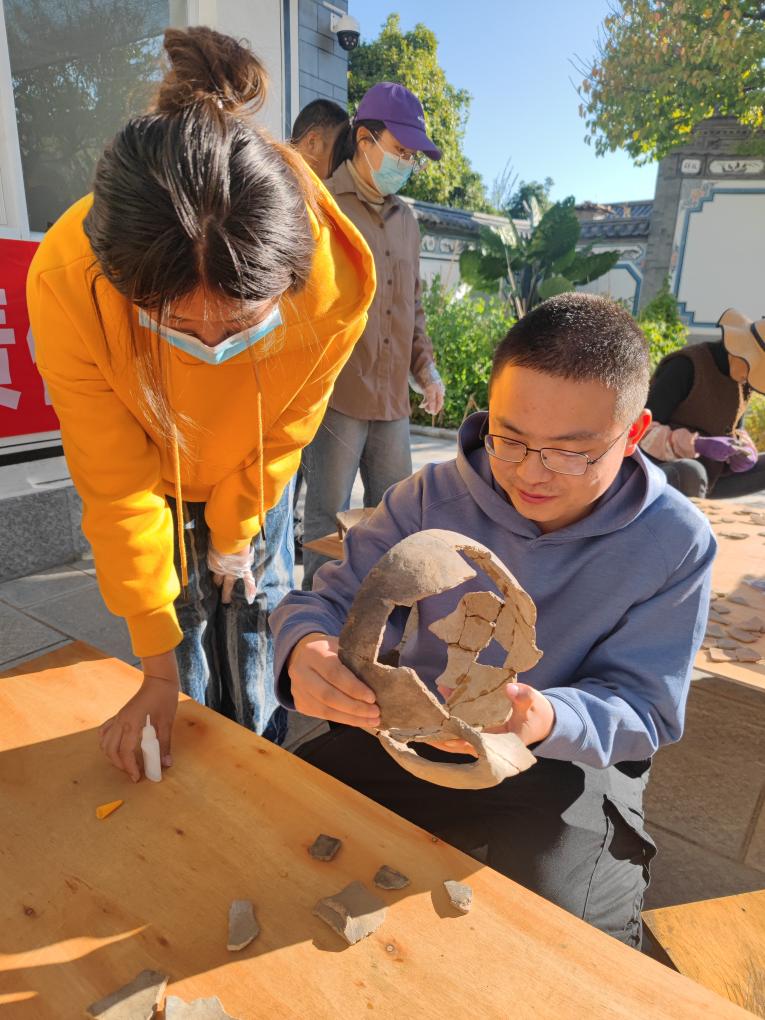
(104, 810)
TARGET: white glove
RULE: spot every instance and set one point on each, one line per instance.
(433, 391)
(228, 568)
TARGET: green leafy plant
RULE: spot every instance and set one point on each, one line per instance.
(754, 422)
(663, 66)
(531, 269)
(663, 337)
(662, 308)
(464, 332)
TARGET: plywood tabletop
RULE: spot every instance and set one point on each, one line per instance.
(86, 904)
(719, 943)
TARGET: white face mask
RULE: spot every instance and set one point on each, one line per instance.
(225, 350)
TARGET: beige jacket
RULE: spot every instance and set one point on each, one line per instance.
(373, 385)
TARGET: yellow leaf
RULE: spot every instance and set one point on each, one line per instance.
(104, 810)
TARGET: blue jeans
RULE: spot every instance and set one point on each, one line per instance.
(380, 450)
(226, 657)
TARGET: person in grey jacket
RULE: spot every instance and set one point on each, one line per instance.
(366, 426)
(619, 566)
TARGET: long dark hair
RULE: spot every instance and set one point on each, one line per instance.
(347, 140)
(194, 194)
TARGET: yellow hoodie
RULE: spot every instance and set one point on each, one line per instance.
(123, 469)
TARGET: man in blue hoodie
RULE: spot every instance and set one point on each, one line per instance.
(618, 564)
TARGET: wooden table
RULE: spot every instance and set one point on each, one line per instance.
(737, 560)
(719, 943)
(86, 904)
(329, 545)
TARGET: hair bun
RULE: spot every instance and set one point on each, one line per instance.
(205, 66)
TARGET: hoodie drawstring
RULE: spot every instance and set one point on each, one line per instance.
(179, 512)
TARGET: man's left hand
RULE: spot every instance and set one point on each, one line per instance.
(532, 719)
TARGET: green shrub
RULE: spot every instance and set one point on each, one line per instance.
(754, 422)
(464, 332)
(663, 337)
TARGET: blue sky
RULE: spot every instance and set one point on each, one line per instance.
(514, 57)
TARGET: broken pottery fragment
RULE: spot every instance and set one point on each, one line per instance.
(421, 565)
(242, 925)
(460, 895)
(718, 606)
(324, 847)
(715, 630)
(721, 655)
(389, 878)
(746, 636)
(725, 642)
(353, 913)
(135, 1001)
(738, 535)
(754, 623)
(738, 600)
(747, 655)
(198, 1009)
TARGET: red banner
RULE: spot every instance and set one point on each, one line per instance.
(24, 404)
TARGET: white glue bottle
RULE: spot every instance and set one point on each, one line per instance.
(152, 765)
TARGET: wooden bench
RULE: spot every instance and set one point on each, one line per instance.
(718, 943)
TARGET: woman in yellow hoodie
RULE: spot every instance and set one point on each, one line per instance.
(190, 319)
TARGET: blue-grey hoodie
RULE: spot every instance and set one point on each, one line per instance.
(622, 598)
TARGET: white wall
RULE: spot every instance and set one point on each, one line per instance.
(718, 256)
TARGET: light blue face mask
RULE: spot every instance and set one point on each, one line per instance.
(391, 177)
(225, 350)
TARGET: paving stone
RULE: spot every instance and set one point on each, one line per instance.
(706, 787)
(83, 616)
(36, 588)
(22, 637)
(684, 873)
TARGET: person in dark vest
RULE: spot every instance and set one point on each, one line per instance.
(698, 398)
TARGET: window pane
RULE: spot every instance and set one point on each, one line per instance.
(80, 69)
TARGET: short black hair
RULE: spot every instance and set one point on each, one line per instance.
(584, 337)
(321, 114)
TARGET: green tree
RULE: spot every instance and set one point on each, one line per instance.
(663, 66)
(411, 58)
(532, 269)
(522, 200)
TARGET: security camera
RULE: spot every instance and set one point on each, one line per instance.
(347, 30)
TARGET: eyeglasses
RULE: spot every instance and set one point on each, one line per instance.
(562, 462)
(414, 163)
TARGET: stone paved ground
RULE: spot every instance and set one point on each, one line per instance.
(706, 799)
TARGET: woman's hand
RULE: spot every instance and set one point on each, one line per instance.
(157, 698)
(324, 688)
(229, 568)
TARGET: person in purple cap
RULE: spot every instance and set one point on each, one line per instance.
(366, 426)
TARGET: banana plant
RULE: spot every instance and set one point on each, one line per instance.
(527, 270)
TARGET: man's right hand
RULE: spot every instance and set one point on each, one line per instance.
(322, 686)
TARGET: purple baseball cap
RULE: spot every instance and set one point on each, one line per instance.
(401, 112)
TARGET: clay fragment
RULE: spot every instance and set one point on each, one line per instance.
(242, 925)
(754, 623)
(725, 642)
(747, 637)
(747, 655)
(476, 634)
(353, 913)
(715, 630)
(484, 604)
(728, 520)
(198, 1009)
(757, 519)
(449, 628)
(721, 655)
(738, 600)
(720, 607)
(389, 878)
(324, 847)
(738, 535)
(137, 1000)
(717, 617)
(460, 895)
